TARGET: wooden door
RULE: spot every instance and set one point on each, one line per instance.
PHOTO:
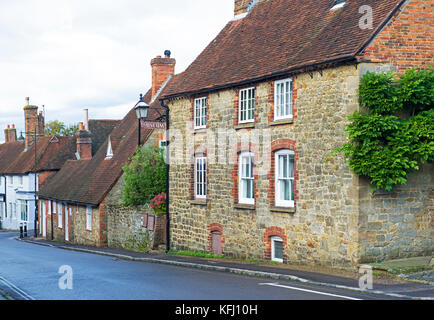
(216, 243)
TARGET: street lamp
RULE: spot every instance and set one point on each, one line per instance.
(142, 112)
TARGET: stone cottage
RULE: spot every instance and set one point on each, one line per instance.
(255, 117)
(81, 202)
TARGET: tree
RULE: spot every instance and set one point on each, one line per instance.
(145, 176)
(59, 129)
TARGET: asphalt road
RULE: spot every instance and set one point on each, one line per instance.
(29, 271)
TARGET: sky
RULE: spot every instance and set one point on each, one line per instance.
(69, 55)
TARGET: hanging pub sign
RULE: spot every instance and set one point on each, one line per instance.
(153, 125)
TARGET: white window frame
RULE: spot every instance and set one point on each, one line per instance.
(50, 203)
(279, 202)
(20, 180)
(242, 177)
(109, 154)
(243, 98)
(200, 112)
(203, 175)
(278, 103)
(275, 239)
(60, 215)
(89, 218)
(24, 213)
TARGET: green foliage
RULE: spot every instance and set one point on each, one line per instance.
(377, 93)
(416, 89)
(145, 176)
(59, 129)
(194, 254)
(385, 146)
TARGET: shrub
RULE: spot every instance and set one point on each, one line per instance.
(145, 176)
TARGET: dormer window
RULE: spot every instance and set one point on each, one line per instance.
(337, 4)
(109, 154)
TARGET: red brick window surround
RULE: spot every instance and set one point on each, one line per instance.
(283, 147)
(199, 112)
(269, 236)
(199, 172)
(275, 98)
(215, 229)
(244, 149)
(244, 97)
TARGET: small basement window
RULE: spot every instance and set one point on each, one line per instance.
(277, 249)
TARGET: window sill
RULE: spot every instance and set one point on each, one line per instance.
(198, 202)
(244, 206)
(248, 125)
(283, 209)
(281, 122)
(199, 130)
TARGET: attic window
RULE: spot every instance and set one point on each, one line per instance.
(109, 154)
(252, 5)
(337, 4)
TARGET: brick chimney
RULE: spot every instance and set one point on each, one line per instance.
(84, 143)
(242, 6)
(162, 69)
(33, 120)
(10, 134)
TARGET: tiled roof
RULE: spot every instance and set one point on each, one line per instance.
(100, 129)
(8, 153)
(89, 181)
(51, 152)
(278, 37)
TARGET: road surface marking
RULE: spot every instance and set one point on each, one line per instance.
(17, 290)
(307, 290)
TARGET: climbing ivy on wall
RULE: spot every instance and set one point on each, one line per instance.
(393, 134)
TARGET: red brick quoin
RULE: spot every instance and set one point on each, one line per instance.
(274, 232)
(243, 147)
(215, 227)
(276, 146)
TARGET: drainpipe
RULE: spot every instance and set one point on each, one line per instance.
(167, 116)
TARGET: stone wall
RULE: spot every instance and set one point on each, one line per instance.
(126, 226)
(399, 223)
(323, 228)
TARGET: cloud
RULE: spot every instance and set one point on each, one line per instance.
(74, 54)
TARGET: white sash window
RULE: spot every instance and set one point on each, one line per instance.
(246, 178)
(284, 165)
(200, 178)
(283, 100)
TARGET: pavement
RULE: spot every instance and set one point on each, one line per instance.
(46, 272)
(348, 280)
(416, 268)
